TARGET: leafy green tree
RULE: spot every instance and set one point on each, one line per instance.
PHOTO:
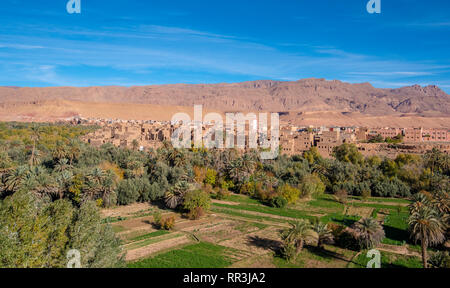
(210, 177)
(374, 161)
(389, 167)
(377, 139)
(127, 192)
(390, 188)
(23, 232)
(196, 202)
(311, 185)
(61, 213)
(96, 242)
(278, 202)
(312, 155)
(348, 153)
(37, 234)
(289, 193)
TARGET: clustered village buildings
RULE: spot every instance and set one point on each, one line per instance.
(145, 135)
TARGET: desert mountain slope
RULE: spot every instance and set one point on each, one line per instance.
(55, 110)
(300, 96)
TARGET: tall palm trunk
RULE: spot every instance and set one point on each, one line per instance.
(320, 244)
(32, 153)
(299, 245)
(424, 253)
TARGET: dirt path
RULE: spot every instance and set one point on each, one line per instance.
(402, 250)
(226, 202)
(381, 203)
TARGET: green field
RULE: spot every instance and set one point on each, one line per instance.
(150, 235)
(388, 260)
(201, 255)
(153, 240)
(396, 228)
(252, 213)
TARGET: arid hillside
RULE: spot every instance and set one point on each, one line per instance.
(303, 95)
(304, 102)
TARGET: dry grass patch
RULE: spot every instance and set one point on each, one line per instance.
(258, 243)
(126, 211)
(364, 212)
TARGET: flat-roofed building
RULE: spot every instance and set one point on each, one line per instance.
(413, 135)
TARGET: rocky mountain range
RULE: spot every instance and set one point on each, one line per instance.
(276, 96)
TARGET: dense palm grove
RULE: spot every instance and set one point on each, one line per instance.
(52, 186)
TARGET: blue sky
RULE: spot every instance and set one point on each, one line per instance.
(137, 42)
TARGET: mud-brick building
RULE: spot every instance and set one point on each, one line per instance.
(387, 132)
(436, 135)
(413, 135)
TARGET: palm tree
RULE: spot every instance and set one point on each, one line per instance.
(5, 161)
(370, 232)
(135, 145)
(108, 186)
(63, 181)
(175, 196)
(73, 151)
(15, 179)
(39, 182)
(248, 164)
(62, 165)
(60, 150)
(425, 226)
(35, 135)
(35, 158)
(324, 234)
(439, 260)
(441, 201)
(96, 176)
(435, 159)
(239, 170)
(176, 157)
(300, 232)
(421, 199)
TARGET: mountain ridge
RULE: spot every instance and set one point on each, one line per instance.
(263, 95)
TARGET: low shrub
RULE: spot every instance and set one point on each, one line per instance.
(341, 196)
(222, 194)
(196, 202)
(168, 223)
(278, 202)
(348, 239)
(288, 193)
(196, 213)
(157, 218)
